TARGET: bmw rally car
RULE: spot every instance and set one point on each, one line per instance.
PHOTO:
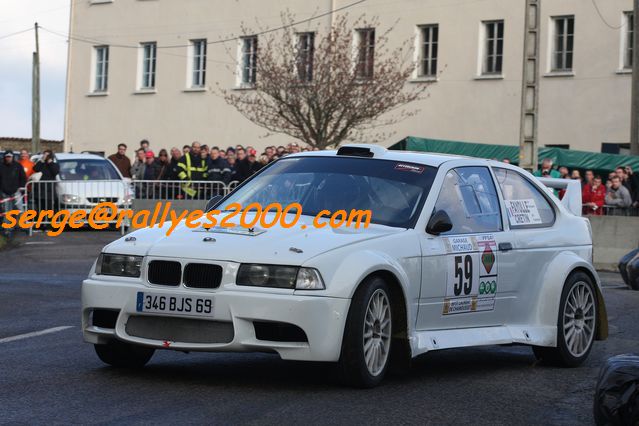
(459, 252)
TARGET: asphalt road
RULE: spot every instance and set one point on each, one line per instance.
(56, 378)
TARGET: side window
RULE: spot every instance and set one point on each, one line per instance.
(469, 197)
(526, 205)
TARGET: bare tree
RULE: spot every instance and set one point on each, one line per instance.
(324, 89)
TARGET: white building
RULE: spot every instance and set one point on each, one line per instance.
(145, 69)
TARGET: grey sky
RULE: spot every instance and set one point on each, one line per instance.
(15, 66)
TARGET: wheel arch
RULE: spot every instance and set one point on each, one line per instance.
(401, 353)
(554, 279)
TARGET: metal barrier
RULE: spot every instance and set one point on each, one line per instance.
(84, 195)
(75, 195)
(177, 190)
(620, 211)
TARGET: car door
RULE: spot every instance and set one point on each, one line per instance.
(534, 238)
(462, 269)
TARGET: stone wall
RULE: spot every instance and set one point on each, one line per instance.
(16, 144)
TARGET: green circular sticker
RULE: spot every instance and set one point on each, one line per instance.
(482, 287)
(493, 286)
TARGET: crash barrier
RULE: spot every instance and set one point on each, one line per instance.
(179, 190)
(74, 195)
(620, 211)
(612, 238)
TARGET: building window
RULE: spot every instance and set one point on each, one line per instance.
(629, 39)
(101, 68)
(148, 65)
(493, 54)
(248, 60)
(365, 39)
(428, 49)
(304, 56)
(198, 74)
(563, 43)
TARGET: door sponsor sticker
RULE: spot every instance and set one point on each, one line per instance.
(523, 212)
(471, 274)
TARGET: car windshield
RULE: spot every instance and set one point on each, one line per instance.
(87, 170)
(393, 191)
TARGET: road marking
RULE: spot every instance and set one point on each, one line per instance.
(35, 334)
(38, 243)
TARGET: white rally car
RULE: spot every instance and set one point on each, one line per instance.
(460, 252)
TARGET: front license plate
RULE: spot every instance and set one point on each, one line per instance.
(174, 304)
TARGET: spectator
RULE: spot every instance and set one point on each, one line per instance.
(144, 144)
(621, 172)
(253, 165)
(137, 169)
(121, 161)
(280, 151)
(192, 168)
(618, 195)
(44, 190)
(163, 164)
(26, 163)
(174, 169)
(506, 160)
(12, 178)
(219, 170)
(633, 178)
(151, 167)
(232, 162)
(593, 197)
(611, 175)
(547, 170)
(204, 152)
(186, 149)
(589, 177)
(576, 175)
(564, 172)
(242, 165)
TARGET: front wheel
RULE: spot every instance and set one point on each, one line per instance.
(123, 355)
(576, 323)
(367, 336)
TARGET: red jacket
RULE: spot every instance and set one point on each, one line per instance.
(597, 196)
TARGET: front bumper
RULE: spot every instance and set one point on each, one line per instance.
(321, 318)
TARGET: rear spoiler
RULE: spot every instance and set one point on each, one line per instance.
(572, 197)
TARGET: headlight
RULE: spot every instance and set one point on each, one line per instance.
(279, 276)
(70, 199)
(118, 265)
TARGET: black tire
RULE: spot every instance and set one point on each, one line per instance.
(123, 355)
(562, 355)
(352, 364)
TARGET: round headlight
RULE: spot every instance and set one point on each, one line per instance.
(258, 274)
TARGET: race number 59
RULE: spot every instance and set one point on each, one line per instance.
(463, 275)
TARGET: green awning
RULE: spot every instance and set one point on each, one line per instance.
(561, 157)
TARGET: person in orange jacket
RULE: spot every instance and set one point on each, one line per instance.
(26, 163)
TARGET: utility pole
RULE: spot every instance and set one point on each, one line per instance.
(528, 135)
(634, 109)
(35, 97)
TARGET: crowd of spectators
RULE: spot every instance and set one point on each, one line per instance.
(618, 195)
(196, 163)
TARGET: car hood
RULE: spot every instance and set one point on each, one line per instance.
(292, 246)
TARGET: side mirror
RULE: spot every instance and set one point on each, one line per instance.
(213, 201)
(439, 222)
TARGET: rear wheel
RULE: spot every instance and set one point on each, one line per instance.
(367, 336)
(576, 323)
(123, 355)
